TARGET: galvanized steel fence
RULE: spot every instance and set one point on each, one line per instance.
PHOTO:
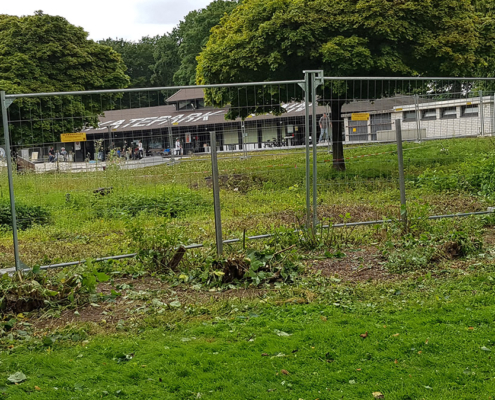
(109, 165)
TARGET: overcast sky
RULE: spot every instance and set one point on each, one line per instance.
(128, 19)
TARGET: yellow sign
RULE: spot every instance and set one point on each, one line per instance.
(398, 109)
(469, 103)
(360, 117)
(354, 129)
(73, 137)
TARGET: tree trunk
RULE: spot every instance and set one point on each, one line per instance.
(337, 136)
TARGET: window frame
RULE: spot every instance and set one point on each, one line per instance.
(406, 118)
(429, 118)
(450, 115)
(470, 114)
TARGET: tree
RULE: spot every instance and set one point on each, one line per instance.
(43, 53)
(278, 39)
(167, 60)
(138, 58)
(194, 32)
(176, 53)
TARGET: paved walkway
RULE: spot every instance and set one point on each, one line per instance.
(70, 166)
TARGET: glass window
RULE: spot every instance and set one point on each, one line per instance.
(449, 112)
(470, 111)
(430, 114)
(409, 115)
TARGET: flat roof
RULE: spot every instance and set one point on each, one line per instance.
(147, 118)
(186, 94)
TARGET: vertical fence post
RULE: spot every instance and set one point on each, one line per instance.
(243, 140)
(216, 193)
(418, 117)
(314, 102)
(481, 114)
(170, 143)
(492, 111)
(5, 104)
(306, 138)
(402, 182)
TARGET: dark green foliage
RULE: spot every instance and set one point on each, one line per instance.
(139, 60)
(474, 176)
(137, 56)
(176, 53)
(431, 242)
(43, 53)
(27, 215)
(167, 203)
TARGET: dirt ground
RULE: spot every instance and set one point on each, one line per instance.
(361, 264)
(357, 265)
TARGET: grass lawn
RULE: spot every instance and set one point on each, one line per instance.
(382, 311)
(427, 338)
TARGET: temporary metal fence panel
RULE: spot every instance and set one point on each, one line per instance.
(97, 173)
(446, 126)
(105, 173)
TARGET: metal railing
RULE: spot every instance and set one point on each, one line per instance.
(371, 111)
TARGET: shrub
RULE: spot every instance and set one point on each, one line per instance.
(167, 203)
(26, 216)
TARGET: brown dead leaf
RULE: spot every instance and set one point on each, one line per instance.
(285, 372)
(395, 362)
(378, 395)
(37, 388)
(264, 355)
(395, 334)
(359, 369)
(323, 318)
(419, 352)
(364, 335)
(471, 328)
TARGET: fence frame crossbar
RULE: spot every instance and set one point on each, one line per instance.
(312, 80)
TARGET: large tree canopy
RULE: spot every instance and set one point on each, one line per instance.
(43, 53)
(278, 39)
(175, 54)
(138, 57)
(195, 32)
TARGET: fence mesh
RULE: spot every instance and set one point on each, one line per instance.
(98, 174)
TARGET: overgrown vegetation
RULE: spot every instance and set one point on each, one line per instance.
(27, 215)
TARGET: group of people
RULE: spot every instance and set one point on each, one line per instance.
(53, 155)
(132, 152)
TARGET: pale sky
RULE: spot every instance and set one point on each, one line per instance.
(102, 19)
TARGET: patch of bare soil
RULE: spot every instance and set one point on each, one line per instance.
(356, 266)
(241, 183)
(119, 308)
(453, 203)
(334, 213)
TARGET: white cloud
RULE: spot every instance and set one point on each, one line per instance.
(166, 11)
(128, 19)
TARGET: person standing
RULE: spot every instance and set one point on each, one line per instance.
(177, 147)
(325, 124)
(140, 149)
(63, 153)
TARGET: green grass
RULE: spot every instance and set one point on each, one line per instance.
(429, 333)
(427, 338)
(259, 194)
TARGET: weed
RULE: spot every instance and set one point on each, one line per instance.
(27, 215)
